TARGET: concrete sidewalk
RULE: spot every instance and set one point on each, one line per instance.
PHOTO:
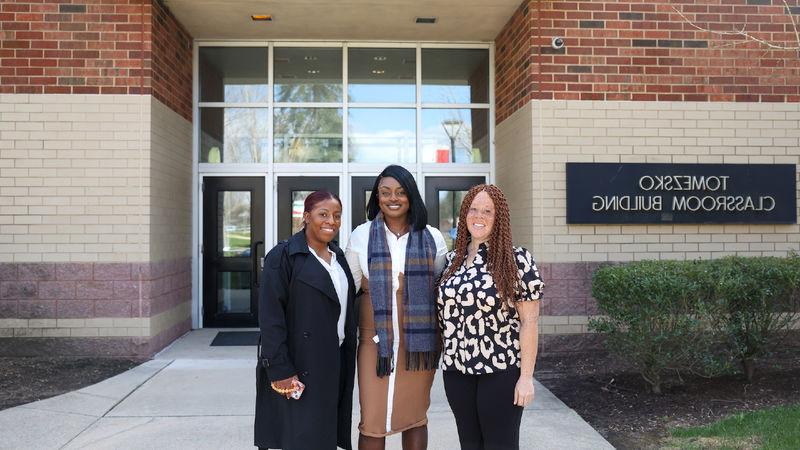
(200, 397)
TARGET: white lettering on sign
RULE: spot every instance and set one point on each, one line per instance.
(692, 203)
(723, 203)
(626, 203)
(684, 183)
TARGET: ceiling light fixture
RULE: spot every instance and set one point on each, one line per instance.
(425, 20)
(312, 71)
(378, 71)
(379, 58)
(310, 58)
(262, 17)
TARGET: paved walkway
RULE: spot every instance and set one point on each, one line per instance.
(195, 396)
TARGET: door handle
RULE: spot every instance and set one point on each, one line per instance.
(254, 257)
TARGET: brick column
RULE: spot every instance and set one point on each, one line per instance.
(95, 149)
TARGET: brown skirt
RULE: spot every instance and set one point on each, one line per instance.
(411, 394)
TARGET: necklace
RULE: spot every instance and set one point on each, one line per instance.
(397, 234)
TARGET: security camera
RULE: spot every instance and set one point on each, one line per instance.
(557, 43)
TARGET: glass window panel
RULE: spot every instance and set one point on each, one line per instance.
(308, 135)
(381, 75)
(462, 134)
(308, 74)
(449, 207)
(233, 135)
(298, 205)
(233, 292)
(382, 135)
(455, 75)
(234, 220)
(233, 74)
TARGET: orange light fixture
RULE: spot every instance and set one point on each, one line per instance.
(262, 17)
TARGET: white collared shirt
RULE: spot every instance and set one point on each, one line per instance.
(357, 253)
(339, 279)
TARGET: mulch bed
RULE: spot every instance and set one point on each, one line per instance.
(28, 379)
(615, 400)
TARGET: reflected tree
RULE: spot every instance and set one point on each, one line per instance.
(308, 134)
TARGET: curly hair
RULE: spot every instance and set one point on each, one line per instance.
(501, 263)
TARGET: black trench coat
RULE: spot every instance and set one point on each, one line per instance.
(298, 314)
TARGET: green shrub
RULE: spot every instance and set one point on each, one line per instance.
(755, 301)
(653, 315)
(674, 315)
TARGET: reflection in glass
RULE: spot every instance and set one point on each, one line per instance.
(298, 205)
(308, 74)
(455, 134)
(233, 74)
(455, 75)
(385, 75)
(234, 219)
(449, 207)
(233, 135)
(308, 135)
(382, 135)
(233, 292)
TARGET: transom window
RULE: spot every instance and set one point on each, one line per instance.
(344, 104)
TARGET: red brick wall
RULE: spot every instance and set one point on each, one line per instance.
(97, 47)
(512, 64)
(645, 50)
(171, 61)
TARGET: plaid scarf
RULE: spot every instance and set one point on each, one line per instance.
(419, 318)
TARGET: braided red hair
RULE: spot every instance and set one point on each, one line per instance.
(500, 260)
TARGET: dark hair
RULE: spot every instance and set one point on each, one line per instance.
(319, 196)
(417, 214)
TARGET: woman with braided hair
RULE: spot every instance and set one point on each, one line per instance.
(488, 311)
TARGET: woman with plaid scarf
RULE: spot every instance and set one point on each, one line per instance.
(396, 259)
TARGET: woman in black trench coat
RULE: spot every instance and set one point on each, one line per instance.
(308, 319)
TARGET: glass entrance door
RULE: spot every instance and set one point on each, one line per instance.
(443, 197)
(292, 192)
(233, 246)
(360, 190)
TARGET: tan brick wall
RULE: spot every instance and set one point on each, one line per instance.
(74, 181)
(513, 169)
(76, 174)
(171, 184)
(96, 327)
(652, 132)
(95, 218)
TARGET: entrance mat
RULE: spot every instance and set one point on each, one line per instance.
(235, 338)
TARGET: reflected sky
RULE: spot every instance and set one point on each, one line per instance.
(383, 93)
(382, 135)
(436, 142)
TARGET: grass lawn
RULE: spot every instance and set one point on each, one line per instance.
(239, 240)
(773, 429)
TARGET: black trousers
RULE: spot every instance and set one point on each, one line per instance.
(486, 416)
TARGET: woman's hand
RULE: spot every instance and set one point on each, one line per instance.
(286, 386)
(523, 392)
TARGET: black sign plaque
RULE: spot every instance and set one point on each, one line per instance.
(615, 193)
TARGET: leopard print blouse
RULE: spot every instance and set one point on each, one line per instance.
(480, 337)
